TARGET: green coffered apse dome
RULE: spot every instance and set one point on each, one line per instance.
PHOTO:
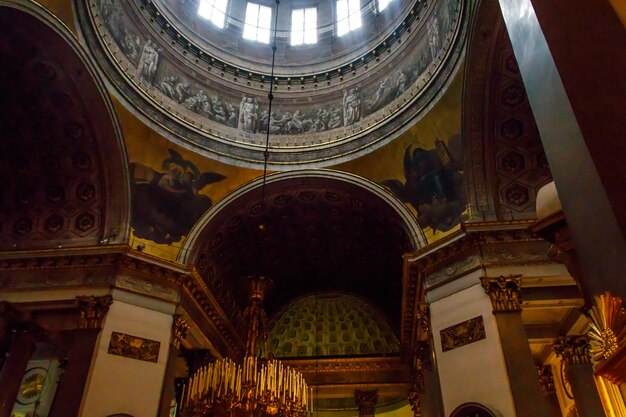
(330, 324)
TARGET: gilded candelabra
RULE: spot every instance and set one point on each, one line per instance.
(256, 387)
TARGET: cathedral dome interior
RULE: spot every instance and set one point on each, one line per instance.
(207, 86)
(312, 208)
(330, 324)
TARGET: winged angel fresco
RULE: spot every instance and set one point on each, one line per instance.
(433, 184)
(167, 204)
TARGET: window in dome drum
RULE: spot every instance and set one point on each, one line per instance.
(214, 11)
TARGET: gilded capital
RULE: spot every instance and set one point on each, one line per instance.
(92, 310)
(366, 401)
(414, 396)
(573, 350)
(546, 379)
(180, 330)
(505, 292)
(422, 316)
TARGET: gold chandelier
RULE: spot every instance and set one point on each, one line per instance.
(256, 387)
(259, 386)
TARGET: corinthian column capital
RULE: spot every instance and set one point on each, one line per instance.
(573, 350)
(504, 292)
(92, 310)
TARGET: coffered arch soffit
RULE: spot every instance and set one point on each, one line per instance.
(63, 157)
(322, 230)
(504, 156)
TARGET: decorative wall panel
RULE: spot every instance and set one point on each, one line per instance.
(462, 334)
(134, 347)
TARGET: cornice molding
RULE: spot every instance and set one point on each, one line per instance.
(476, 245)
(119, 261)
(348, 365)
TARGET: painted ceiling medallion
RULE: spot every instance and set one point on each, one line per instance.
(336, 108)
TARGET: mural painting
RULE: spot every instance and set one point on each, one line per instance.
(433, 184)
(167, 204)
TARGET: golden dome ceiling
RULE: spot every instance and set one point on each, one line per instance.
(330, 324)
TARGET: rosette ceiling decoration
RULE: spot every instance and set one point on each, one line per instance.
(206, 87)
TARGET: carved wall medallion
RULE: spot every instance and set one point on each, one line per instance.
(462, 334)
(134, 347)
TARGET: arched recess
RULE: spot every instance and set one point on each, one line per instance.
(504, 158)
(62, 155)
(322, 230)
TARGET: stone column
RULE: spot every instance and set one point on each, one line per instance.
(505, 295)
(546, 383)
(574, 352)
(577, 95)
(180, 330)
(24, 336)
(366, 402)
(80, 344)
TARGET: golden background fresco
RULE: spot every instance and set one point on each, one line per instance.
(146, 147)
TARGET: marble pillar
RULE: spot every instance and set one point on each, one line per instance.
(505, 295)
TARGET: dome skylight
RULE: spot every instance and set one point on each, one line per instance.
(348, 16)
(257, 23)
(382, 5)
(304, 26)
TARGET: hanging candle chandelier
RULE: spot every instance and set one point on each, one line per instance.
(256, 387)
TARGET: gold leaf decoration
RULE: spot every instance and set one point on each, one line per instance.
(608, 326)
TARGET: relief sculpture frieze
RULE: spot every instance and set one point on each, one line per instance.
(462, 334)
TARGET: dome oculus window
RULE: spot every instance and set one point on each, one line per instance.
(257, 24)
(382, 5)
(304, 26)
(214, 11)
(348, 16)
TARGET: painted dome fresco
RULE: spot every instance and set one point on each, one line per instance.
(199, 71)
(330, 324)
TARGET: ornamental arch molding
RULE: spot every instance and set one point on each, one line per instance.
(417, 238)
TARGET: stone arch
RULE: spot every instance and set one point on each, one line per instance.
(418, 239)
(64, 160)
(320, 229)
